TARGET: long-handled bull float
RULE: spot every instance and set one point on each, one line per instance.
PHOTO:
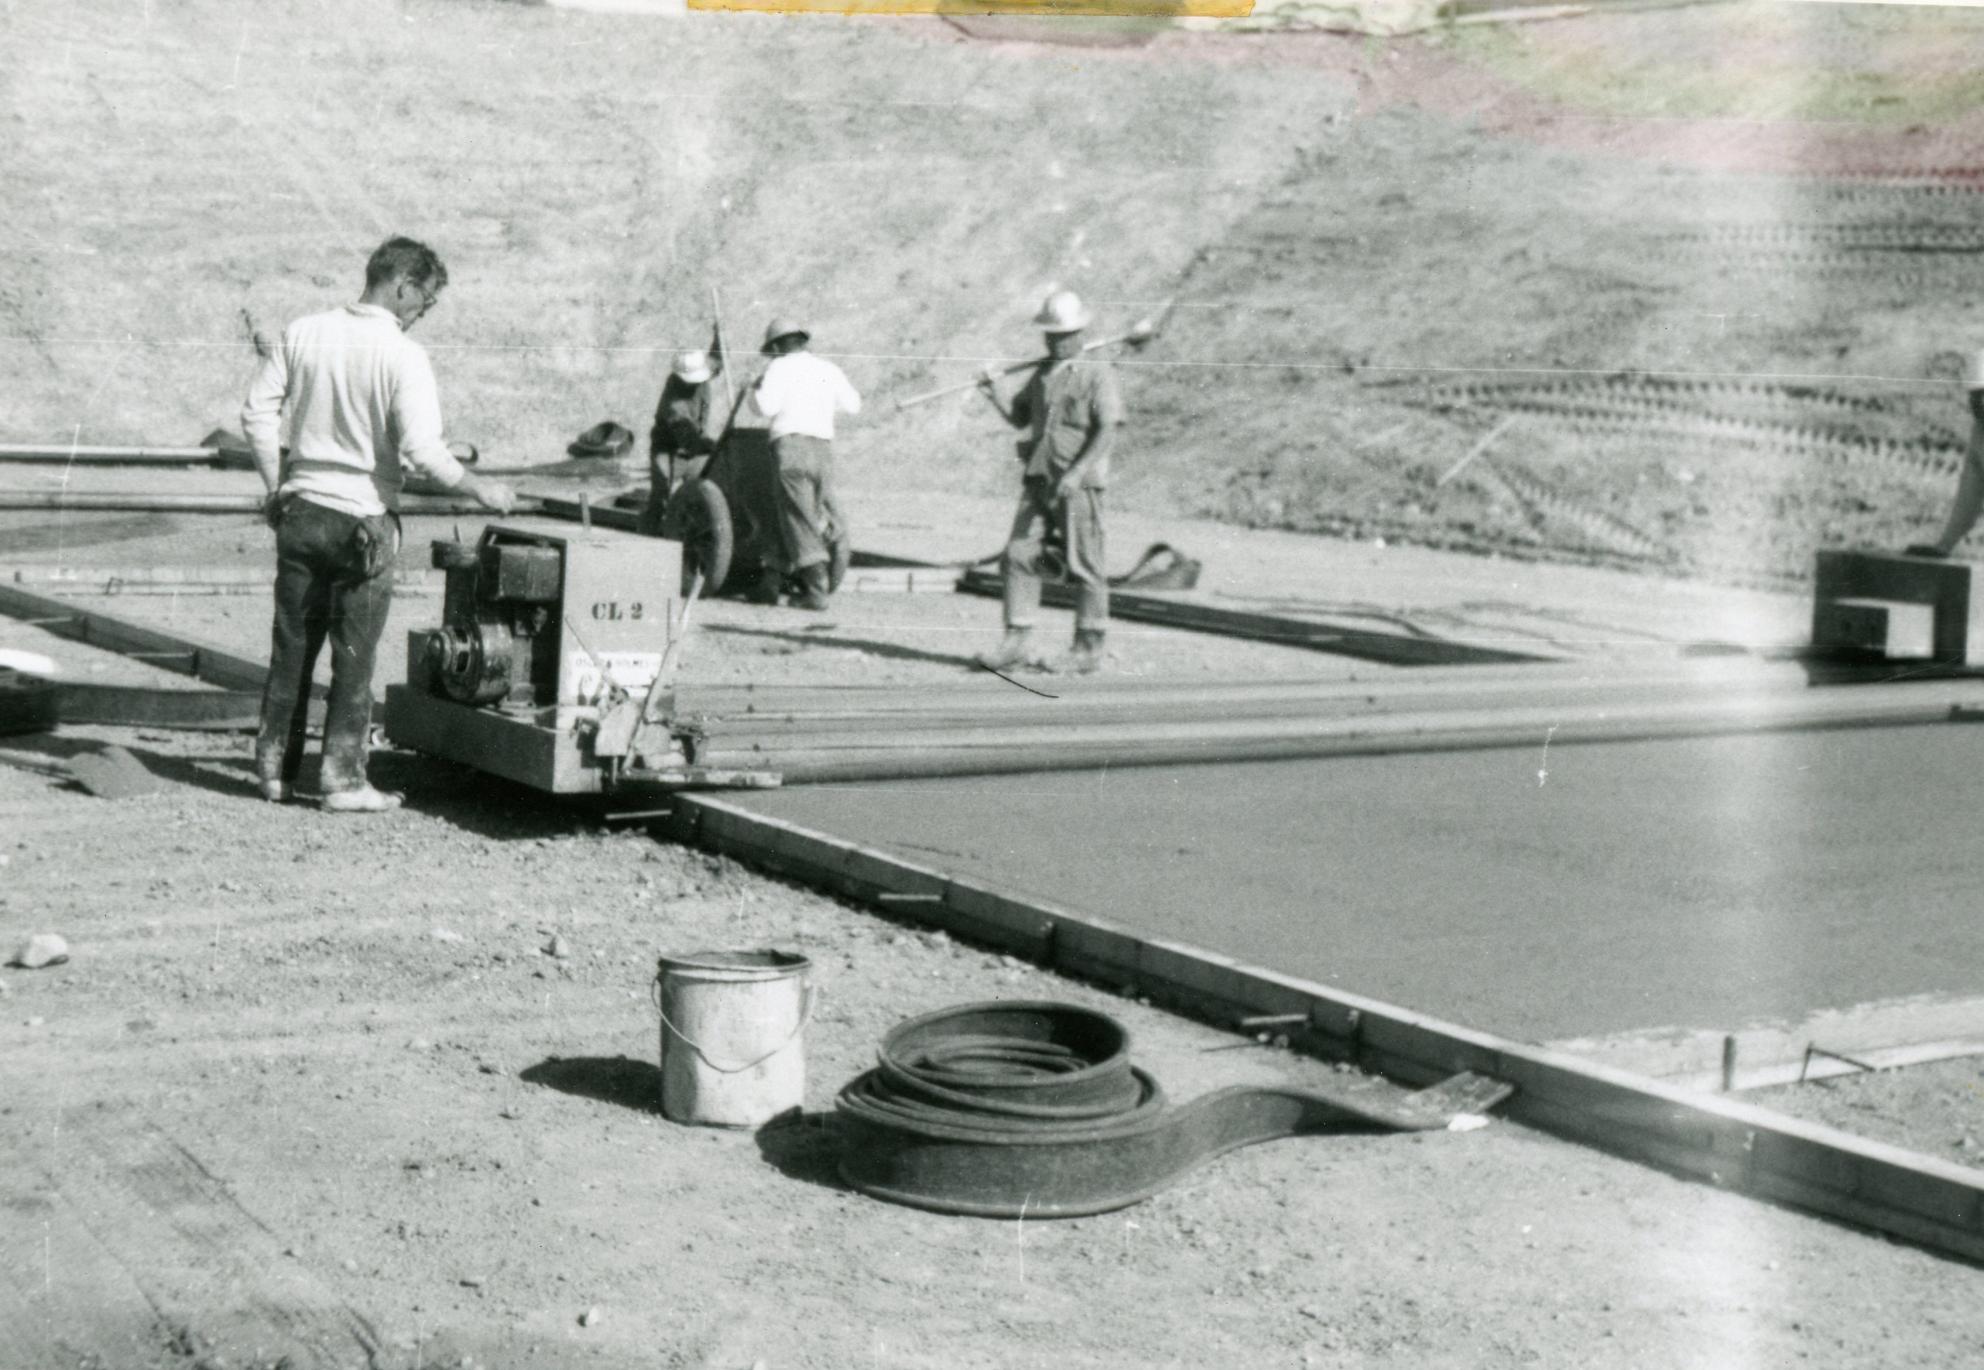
(1139, 336)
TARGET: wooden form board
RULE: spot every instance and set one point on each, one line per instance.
(603, 513)
(108, 580)
(113, 456)
(1399, 649)
(239, 680)
(1830, 1042)
(168, 651)
(1711, 1138)
(841, 757)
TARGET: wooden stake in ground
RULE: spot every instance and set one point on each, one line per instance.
(729, 386)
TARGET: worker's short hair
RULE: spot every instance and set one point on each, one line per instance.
(405, 259)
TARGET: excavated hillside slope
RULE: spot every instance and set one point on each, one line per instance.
(1702, 276)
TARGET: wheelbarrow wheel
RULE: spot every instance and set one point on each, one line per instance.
(698, 517)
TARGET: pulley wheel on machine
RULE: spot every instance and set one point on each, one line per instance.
(698, 517)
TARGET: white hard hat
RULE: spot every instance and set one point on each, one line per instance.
(1062, 312)
(693, 366)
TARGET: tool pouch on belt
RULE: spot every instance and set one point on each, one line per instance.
(1053, 554)
(1039, 492)
(375, 545)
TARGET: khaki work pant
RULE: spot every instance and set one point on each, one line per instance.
(1062, 539)
(806, 501)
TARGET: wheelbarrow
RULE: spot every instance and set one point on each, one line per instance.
(725, 515)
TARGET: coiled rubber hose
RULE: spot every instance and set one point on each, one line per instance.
(1032, 1109)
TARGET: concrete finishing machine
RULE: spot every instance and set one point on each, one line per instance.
(555, 663)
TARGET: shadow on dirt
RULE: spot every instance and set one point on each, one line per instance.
(31, 532)
(49, 755)
(815, 638)
(805, 1147)
(798, 1145)
(473, 800)
(610, 1079)
(461, 795)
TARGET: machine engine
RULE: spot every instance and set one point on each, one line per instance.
(500, 623)
(534, 619)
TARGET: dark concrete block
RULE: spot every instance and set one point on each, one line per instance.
(1944, 586)
(1883, 628)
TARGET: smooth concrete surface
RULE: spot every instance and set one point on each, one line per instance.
(1543, 894)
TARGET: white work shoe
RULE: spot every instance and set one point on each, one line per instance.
(275, 791)
(1011, 651)
(364, 799)
(1086, 658)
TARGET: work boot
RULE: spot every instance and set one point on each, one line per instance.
(1010, 652)
(275, 791)
(813, 587)
(766, 590)
(1086, 658)
(364, 799)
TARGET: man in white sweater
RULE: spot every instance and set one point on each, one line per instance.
(801, 393)
(363, 412)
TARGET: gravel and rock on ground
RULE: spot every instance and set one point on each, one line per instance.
(353, 1027)
(357, 1029)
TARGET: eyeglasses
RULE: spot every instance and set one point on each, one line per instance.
(427, 295)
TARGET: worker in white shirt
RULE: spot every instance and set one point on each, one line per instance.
(1969, 502)
(801, 393)
(363, 412)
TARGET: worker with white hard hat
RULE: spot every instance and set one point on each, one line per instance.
(681, 430)
(802, 393)
(1070, 408)
(1969, 501)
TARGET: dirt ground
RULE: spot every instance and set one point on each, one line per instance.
(1928, 1108)
(305, 1085)
(316, 1089)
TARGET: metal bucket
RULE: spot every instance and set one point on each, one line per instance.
(733, 1051)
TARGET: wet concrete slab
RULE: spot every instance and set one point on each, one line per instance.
(1545, 894)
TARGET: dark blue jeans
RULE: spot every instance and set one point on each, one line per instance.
(334, 579)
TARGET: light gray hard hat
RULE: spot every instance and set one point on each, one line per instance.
(784, 326)
(693, 366)
(1062, 312)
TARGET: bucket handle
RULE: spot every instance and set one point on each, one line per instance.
(806, 1000)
